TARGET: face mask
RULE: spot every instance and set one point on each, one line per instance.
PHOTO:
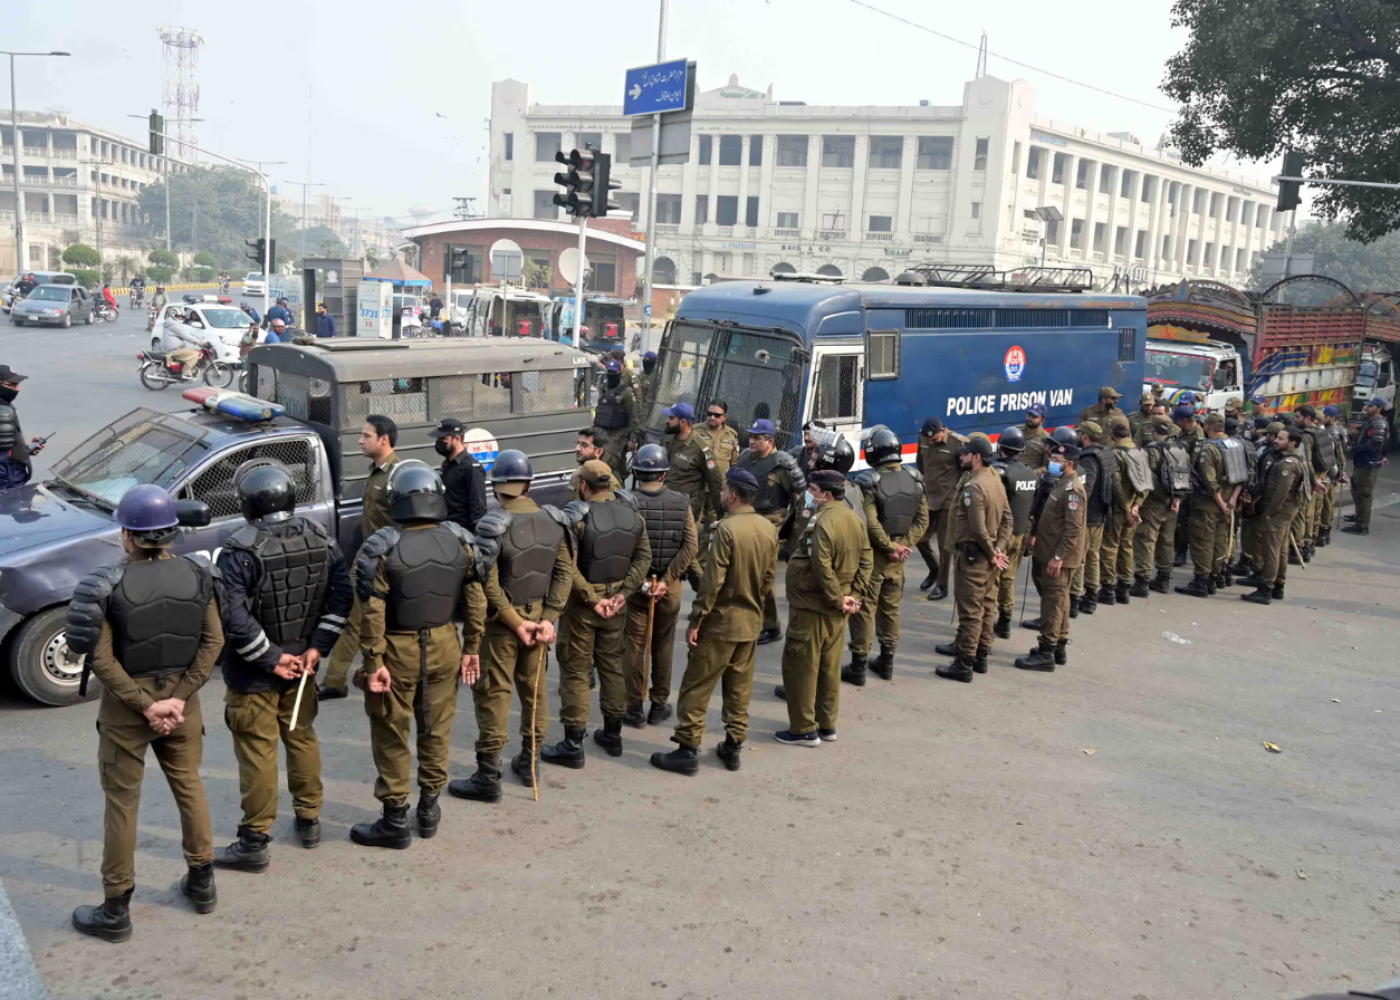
(614, 380)
(648, 366)
(673, 428)
(1056, 468)
(811, 501)
(442, 447)
(8, 394)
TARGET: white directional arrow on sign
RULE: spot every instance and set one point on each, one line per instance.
(636, 91)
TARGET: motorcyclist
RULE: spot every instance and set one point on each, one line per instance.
(109, 296)
(159, 300)
(138, 289)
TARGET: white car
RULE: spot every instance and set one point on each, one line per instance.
(210, 322)
(255, 283)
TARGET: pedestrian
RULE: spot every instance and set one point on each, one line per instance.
(780, 485)
(1021, 484)
(725, 620)
(280, 311)
(377, 440)
(1131, 485)
(1104, 409)
(1280, 504)
(1367, 458)
(16, 454)
(982, 533)
(463, 477)
(415, 579)
(435, 306)
(652, 611)
(276, 332)
(1170, 470)
(616, 413)
(1056, 543)
(938, 462)
(527, 567)
(1036, 438)
(828, 573)
(284, 596)
(591, 446)
(1220, 473)
(1098, 469)
(325, 322)
(613, 558)
(895, 517)
(149, 628)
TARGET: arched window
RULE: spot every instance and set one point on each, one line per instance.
(830, 270)
(783, 268)
(663, 271)
(875, 274)
(710, 278)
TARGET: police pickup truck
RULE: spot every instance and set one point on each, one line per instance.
(512, 393)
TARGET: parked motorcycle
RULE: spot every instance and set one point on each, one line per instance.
(107, 312)
(157, 371)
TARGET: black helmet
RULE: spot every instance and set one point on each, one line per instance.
(416, 493)
(1012, 440)
(883, 446)
(266, 491)
(651, 458)
(512, 466)
(1065, 435)
(833, 451)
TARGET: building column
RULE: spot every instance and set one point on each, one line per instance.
(689, 174)
(909, 161)
(858, 175)
(766, 220)
(1067, 204)
(742, 215)
(811, 218)
(712, 191)
(1183, 226)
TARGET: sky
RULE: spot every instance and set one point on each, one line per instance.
(388, 103)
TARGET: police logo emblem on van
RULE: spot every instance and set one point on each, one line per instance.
(1014, 364)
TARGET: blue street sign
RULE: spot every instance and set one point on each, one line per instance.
(651, 90)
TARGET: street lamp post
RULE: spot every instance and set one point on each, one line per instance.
(266, 163)
(20, 263)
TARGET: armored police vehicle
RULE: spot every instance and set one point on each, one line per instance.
(970, 346)
(514, 393)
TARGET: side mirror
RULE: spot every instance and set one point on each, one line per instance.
(193, 513)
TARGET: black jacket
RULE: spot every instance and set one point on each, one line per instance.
(465, 482)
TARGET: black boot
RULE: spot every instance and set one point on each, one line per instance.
(1226, 579)
(110, 921)
(484, 785)
(946, 648)
(928, 581)
(330, 692)
(779, 692)
(1254, 581)
(1107, 595)
(959, 670)
(1041, 658)
(1087, 605)
(1324, 537)
(634, 717)
(1162, 582)
(1003, 626)
(1263, 595)
(658, 713)
(1277, 592)
(937, 593)
(1241, 568)
(1139, 588)
(246, 854)
(1293, 555)
(521, 764)
(769, 635)
(568, 752)
(389, 830)
(609, 737)
(1350, 529)
(1122, 592)
(728, 751)
(429, 814)
(1073, 606)
(883, 665)
(198, 887)
(308, 832)
(1210, 584)
(682, 760)
(854, 672)
(979, 662)
(1180, 558)
(1198, 587)
(1031, 623)
(1061, 652)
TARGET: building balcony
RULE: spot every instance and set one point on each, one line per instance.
(31, 180)
(65, 182)
(879, 237)
(7, 215)
(64, 220)
(833, 235)
(667, 229)
(63, 154)
(787, 234)
(928, 237)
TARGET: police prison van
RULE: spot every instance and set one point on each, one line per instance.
(859, 355)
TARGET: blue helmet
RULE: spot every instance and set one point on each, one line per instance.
(147, 508)
(651, 458)
(512, 466)
(1065, 435)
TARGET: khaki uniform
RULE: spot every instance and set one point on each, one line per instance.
(1210, 526)
(575, 493)
(1141, 426)
(1190, 439)
(694, 472)
(831, 561)
(434, 704)
(123, 736)
(1100, 414)
(1059, 533)
(880, 604)
(506, 661)
(1152, 542)
(1035, 454)
(595, 642)
(941, 470)
(1116, 561)
(737, 577)
(724, 449)
(662, 621)
(779, 479)
(983, 529)
(1281, 504)
(374, 515)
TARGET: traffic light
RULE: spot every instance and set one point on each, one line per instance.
(603, 184)
(259, 253)
(157, 137)
(577, 200)
(1290, 193)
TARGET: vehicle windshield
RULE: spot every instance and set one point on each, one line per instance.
(50, 293)
(253, 276)
(684, 356)
(1190, 371)
(141, 447)
(1366, 374)
(226, 319)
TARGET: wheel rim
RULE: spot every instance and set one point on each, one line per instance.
(59, 666)
(218, 376)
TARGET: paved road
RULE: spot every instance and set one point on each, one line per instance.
(958, 842)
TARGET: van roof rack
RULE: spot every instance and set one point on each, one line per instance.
(808, 277)
(1023, 279)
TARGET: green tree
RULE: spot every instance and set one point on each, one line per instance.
(205, 259)
(1260, 77)
(163, 258)
(109, 271)
(371, 258)
(82, 255)
(535, 275)
(160, 274)
(129, 267)
(1362, 267)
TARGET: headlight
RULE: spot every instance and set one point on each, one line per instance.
(53, 312)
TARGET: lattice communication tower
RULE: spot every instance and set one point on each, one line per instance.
(181, 88)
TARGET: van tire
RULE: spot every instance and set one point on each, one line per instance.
(32, 654)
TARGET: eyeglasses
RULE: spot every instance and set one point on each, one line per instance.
(712, 413)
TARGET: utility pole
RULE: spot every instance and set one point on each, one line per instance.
(651, 196)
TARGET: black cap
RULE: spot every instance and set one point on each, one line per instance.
(448, 426)
(932, 426)
(8, 374)
(828, 479)
(977, 446)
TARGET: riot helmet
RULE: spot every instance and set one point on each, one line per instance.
(1065, 435)
(512, 466)
(833, 451)
(148, 513)
(266, 491)
(416, 493)
(883, 446)
(1012, 441)
(651, 458)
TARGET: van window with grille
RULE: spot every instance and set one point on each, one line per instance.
(549, 391)
(837, 388)
(882, 354)
(215, 484)
(403, 399)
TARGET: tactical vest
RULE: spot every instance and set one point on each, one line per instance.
(1303, 484)
(9, 427)
(426, 570)
(770, 497)
(1236, 465)
(529, 549)
(294, 572)
(611, 415)
(1173, 469)
(897, 495)
(854, 500)
(1265, 459)
(1136, 469)
(610, 532)
(157, 615)
(1021, 483)
(1100, 492)
(664, 513)
(1325, 449)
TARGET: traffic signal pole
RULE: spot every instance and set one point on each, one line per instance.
(651, 194)
(578, 283)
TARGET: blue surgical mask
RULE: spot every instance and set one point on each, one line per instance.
(811, 501)
(1056, 468)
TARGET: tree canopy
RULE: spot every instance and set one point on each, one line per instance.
(1260, 77)
(82, 255)
(1361, 267)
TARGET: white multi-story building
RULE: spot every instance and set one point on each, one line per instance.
(80, 184)
(864, 192)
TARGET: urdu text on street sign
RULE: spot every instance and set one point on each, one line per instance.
(652, 90)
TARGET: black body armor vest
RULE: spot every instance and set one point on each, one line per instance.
(426, 570)
(529, 549)
(610, 532)
(664, 513)
(157, 615)
(294, 572)
(897, 496)
(611, 415)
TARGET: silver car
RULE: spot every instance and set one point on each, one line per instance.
(54, 305)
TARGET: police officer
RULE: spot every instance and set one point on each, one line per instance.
(1189, 436)
(780, 483)
(1097, 468)
(1305, 525)
(15, 452)
(1333, 427)
(828, 573)
(1367, 457)
(526, 564)
(1284, 495)
(939, 463)
(462, 475)
(1220, 474)
(648, 375)
(653, 610)
(1251, 505)
(592, 446)
(616, 413)
(1131, 485)
(1170, 470)
(725, 619)
(1057, 544)
(1036, 437)
(716, 434)
(1137, 420)
(1234, 408)
(149, 627)
(1020, 482)
(694, 470)
(284, 593)
(1323, 454)
(896, 516)
(377, 440)
(613, 558)
(414, 581)
(1106, 407)
(982, 533)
